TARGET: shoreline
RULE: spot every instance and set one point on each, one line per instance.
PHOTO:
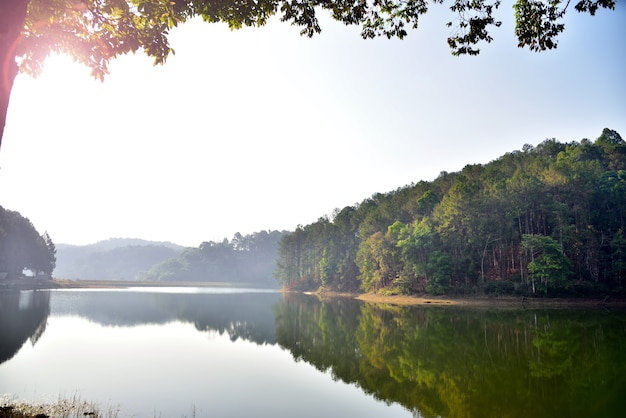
(51, 284)
(480, 301)
(399, 300)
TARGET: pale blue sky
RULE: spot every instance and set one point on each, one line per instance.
(262, 129)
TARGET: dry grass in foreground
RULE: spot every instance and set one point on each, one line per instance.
(63, 408)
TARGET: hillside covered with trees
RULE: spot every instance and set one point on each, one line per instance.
(23, 248)
(248, 259)
(546, 220)
(112, 259)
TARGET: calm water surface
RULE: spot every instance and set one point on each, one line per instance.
(253, 353)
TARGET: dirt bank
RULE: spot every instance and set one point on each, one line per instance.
(514, 302)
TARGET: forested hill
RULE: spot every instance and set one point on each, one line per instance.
(546, 220)
(112, 259)
(249, 260)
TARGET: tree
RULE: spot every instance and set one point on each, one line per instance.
(440, 273)
(415, 245)
(96, 31)
(40, 258)
(21, 246)
(369, 259)
(51, 253)
(549, 265)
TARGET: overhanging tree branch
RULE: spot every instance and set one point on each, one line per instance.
(95, 31)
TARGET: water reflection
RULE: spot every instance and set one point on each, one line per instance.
(431, 361)
(465, 363)
(23, 316)
(239, 314)
(243, 313)
(156, 354)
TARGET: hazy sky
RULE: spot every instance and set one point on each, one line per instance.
(262, 129)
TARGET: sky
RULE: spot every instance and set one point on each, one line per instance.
(262, 129)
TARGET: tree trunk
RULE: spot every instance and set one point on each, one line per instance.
(12, 17)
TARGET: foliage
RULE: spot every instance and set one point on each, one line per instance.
(95, 31)
(440, 270)
(21, 246)
(545, 219)
(549, 265)
(99, 262)
(497, 288)
(244, 259)
(538, 23)
(51, 260)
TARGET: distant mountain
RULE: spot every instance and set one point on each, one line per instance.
(112, 259)
(112, 243)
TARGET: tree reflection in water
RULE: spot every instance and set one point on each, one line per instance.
(435, 361)
(453, 362)
(23, 316)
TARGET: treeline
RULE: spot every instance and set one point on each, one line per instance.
(244, 259)
(22, 247)
(549, 219)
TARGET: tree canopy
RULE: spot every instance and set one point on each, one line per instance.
(549, 219)
(95, 31)
(248, 259)
(21, 247)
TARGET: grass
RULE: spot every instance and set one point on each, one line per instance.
(62, 408)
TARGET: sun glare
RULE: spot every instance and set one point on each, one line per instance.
(52, 89)
(63, 67)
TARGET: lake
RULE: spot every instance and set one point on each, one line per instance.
(225, 352)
